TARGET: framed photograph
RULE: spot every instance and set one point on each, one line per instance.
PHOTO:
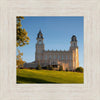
(36, 63)
(49, 50)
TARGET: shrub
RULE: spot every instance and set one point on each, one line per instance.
(60, 68)
(38, 67)
(21, 68)
(79, 69)
(50, 67)
(47, 67)
(66, 69)
(31, 68)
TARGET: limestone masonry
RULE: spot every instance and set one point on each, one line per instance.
(68, 59)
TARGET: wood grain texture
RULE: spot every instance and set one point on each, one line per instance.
(9, 90)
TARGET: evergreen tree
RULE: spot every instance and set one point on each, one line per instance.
(60, 68)
(66, 69)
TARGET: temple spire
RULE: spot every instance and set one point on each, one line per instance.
(40, 31)
(40, 35)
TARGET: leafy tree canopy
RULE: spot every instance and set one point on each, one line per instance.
(22, 35)
(60, 68)
(19, 60)
(38, 67)
(79, 69)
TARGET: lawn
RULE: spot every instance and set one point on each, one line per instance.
(48, 76)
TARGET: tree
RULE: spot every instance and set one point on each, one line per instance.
(21, 34)
(66, 69)
(60, 68)
(38, 67)
(47, 67)
(50, 67)
(79, 69)
(21, 39)
(19, 60)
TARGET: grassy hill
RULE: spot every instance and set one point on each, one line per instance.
(48, 76)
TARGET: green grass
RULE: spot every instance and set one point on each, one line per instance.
(48, 76)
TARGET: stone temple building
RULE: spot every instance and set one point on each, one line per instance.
(67, 59)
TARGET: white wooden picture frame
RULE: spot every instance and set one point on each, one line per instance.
(9, 90)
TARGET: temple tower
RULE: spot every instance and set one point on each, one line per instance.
(39, 47)
(75, 55)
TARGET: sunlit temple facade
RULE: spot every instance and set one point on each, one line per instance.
(67, 59)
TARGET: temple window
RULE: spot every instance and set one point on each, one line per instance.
(62, 57)
(70, 57)
(45, 57)
(66, 57)
(58, 57)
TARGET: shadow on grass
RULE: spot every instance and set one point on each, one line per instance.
(21, 79)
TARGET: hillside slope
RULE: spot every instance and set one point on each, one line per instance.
(48, 76)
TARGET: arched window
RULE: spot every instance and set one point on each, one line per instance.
(40, 42)
(54, 56)
(39, 36)
(69, 63)
(58, 57)
(45, 57)
(62, 57)
(66, 57)
(38, 57)
(50, 56)
(74, 44)
(70, 57)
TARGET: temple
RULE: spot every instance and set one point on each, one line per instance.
(67, 59)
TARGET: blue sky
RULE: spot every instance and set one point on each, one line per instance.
(57, 32)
